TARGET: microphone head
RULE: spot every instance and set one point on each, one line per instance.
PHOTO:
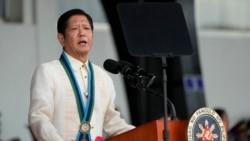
(125, 63)
(126, 67)
(112, 66)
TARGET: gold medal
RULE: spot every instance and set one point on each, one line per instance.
(85, 127)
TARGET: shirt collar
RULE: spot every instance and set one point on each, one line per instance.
(75, 64)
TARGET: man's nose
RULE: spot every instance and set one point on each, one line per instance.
(82, 32)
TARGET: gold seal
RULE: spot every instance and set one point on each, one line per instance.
(85, 127)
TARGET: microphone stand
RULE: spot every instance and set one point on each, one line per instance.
(137, 82)
(172, 107)
(164, 72)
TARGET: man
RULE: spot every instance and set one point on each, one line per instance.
(72, 98)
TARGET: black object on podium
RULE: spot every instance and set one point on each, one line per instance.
(154, 29)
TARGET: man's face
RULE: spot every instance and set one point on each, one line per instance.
(78, 38)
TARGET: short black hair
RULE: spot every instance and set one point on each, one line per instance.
(63, 19)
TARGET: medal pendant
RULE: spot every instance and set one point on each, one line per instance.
(85, 127)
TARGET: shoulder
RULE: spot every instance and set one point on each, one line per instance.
(50, 64)
(48, 67)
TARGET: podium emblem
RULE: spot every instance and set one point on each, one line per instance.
(206, 125)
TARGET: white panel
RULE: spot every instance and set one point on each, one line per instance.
(225, 64)
(48, 45)
(223, 14)
(17, 64)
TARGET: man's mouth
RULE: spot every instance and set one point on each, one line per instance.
(82, 42)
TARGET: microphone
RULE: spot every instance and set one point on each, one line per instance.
(115, 67)
(138, 77)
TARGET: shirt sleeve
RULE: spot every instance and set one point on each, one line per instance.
(114, 124)
(42, 106)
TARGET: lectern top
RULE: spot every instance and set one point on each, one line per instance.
(154, 29)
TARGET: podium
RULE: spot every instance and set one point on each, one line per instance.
(153, 131)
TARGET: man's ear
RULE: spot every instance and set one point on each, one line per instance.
(60, 38)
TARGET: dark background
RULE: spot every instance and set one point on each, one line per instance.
(145, 106)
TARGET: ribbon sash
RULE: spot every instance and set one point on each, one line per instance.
(85, 113)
